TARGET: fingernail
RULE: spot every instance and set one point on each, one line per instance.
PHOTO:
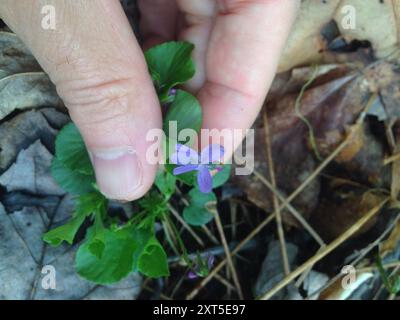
(118, 172)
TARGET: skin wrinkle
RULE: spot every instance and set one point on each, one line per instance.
(111, 108)
(82, 93)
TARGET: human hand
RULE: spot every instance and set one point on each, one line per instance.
(99, 70)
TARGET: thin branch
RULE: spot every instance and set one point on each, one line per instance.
(185, 225)
(329, 248)
(278, 216)
(360, 256)
(210, 235)
(292, 210)
(228, 254)
(213, 272)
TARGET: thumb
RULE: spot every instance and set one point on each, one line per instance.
(100, 73)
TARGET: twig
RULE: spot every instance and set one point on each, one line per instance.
(374, 268)
(329, 248)
(210, 235)
(225, 282)
(185, 225)
(177, 286)
(391, 159)
(228, 254)
(304, 275)
(361, 255)
(168, 232)
(278, 217)
(292, 210)
(215, 251)
(162, 296)
(213, 272)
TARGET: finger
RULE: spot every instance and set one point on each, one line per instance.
(158, 21)
(242, 56)
(100, 73)
(198, 21)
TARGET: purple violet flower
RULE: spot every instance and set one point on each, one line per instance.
(210, 261)
(192, 275)
(201, 267)
(189, 160)
(172, 92)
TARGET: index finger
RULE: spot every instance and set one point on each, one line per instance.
(242, 57)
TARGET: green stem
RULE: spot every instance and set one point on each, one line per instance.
(303, 118)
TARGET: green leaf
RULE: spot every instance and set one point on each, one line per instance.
(186, 111)
(222, 177)
(116, 260)
(197, 216)
(93, 202)
(125, 250)
(396, 284)
(87, 204)
(382, 272)
(153, 260)
(155, 206)
(71, 181)
(96, 245)
(201, 206)
(200, 199)
(166, 183)
(71, 150)
(170, 64)
(65, 232)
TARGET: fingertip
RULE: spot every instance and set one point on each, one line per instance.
(122, 174)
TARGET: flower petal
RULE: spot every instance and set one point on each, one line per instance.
(192, 275)
(204, 179)
(212, 153)
(210, 261)
(184, 169)
(184, 155)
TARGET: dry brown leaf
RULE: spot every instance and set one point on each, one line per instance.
(22, 83)
(356, 142)
(305, 44)
(341, 208)
(376, 21)
(329, 104)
